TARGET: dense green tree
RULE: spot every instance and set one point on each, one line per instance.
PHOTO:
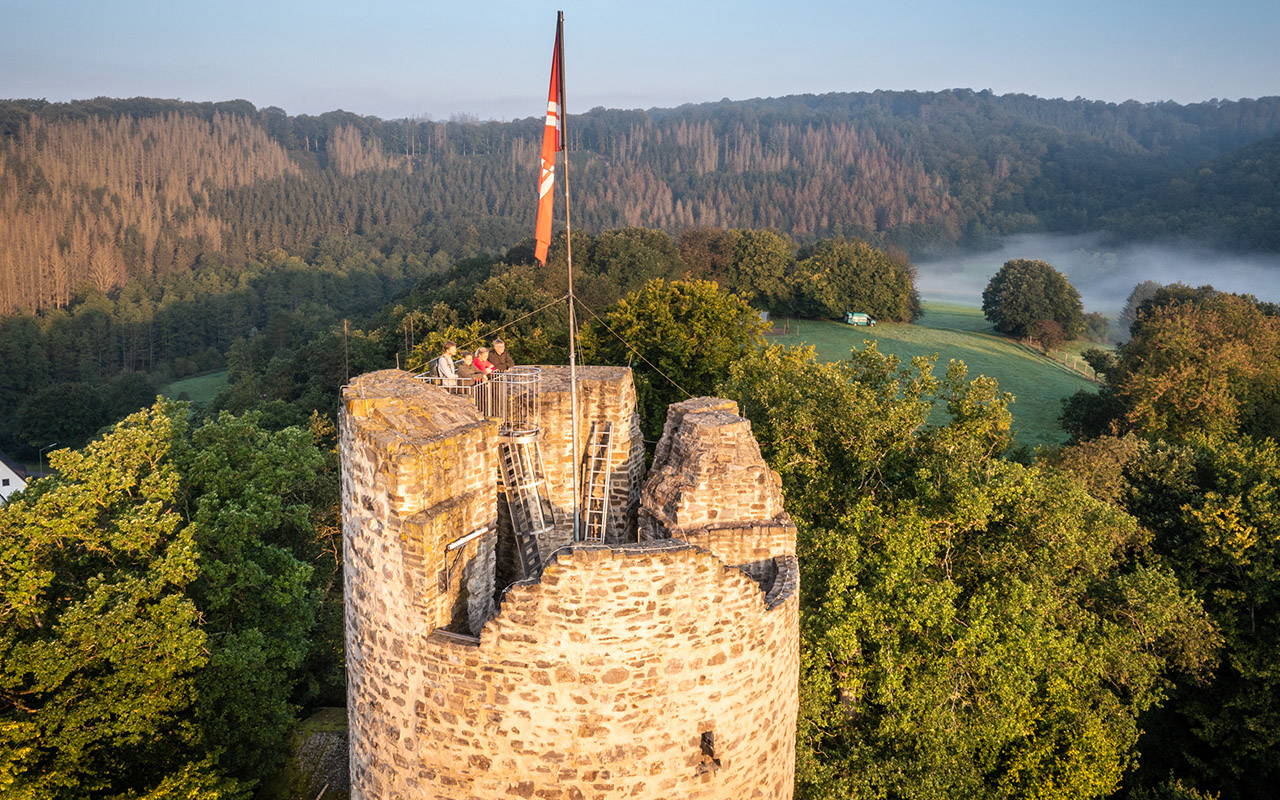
(679, 338)
(1088, 415)
(26, 365)
(1097, 328)
(245, 496)
(839, 275)
(707, 252)
(157, 602)
(1027, 291)
(759, 269)
(969, 626)
(101, 646)
(1213, 507)
(68, 414)
(635, 256)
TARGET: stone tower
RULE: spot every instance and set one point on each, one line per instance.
(660, 660)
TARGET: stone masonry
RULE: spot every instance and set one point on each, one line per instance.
(664, 667)
(709, 486)
(605, 394)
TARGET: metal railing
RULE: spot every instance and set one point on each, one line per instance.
(513, 397)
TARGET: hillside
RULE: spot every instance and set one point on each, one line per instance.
(96, 192)
(1232, 198)
(961, 333)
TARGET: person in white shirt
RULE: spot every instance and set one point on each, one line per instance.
(442, 367)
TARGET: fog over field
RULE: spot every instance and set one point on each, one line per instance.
(1104, 276)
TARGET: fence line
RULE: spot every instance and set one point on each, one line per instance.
(1074, 363)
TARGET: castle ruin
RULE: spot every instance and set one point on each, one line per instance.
(491, 655)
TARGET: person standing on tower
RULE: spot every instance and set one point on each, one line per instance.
(468, 373)
(442, 367)
(482, 361)
(500, 358)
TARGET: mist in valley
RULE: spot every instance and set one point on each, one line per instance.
(1104, 275)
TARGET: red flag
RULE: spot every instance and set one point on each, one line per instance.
(552, 141)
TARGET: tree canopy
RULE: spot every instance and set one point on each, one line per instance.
(156, 606)
(1210, 505)
(969, 626)
(1195, 390)
(679, 338)
(103, 191)
(1197, 360)
(838, 275)
(1027, 292)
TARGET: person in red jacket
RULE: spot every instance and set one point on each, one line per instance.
(482, 362)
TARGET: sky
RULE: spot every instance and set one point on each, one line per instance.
(491, 60)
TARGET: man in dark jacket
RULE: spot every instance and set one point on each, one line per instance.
(500, 358)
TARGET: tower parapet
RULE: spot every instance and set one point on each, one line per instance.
(710, 486)
(419, 503)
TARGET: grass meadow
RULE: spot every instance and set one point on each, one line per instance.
(963, 334)
(198, 388)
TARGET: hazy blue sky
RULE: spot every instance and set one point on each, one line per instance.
(491, 59)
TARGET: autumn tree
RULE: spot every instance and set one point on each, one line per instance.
(1027, 291)
(1198, 361)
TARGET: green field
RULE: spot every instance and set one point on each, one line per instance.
(198, 389)
(961, 333)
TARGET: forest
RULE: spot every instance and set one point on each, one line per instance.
(1095, 620)
(97, 192)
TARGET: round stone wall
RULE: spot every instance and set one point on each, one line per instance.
(649, 670)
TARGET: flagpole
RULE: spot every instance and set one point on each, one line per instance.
(568, 244)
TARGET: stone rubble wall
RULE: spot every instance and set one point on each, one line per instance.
(752, 547)
(599, 681)
(676, 413)
(418, 473)
(710, 486)
(604, 394)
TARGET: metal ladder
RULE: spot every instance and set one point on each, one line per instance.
(598, 465)
(524, 482)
